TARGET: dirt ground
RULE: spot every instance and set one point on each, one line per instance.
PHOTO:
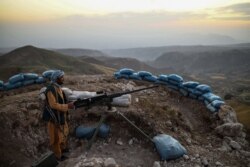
(157, 111)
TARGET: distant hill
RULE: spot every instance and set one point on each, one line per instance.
(80, 52)
(231, 62)
(151, 53)
(32, 59)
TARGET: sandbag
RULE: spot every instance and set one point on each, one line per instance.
(203, 88)
(126, 71)
(211, 97)
(42, 95)
(190, 84)
(144, 73)
(9, 86)
(83, 94)
(134, 76)
(173, 87)
(122, 101)
(217, 103)
(47, 74)
(183, 92)
(172, 82)
(16, 78)
(211, 108)
(150, 78)
(104, 131)
(83, 132)
(168, 147)
(1, 83)
(193, 96)
(163, 78)
(117, 75)
(28, 82)
(30, 76)
(40, 80)
(175, 77)
(67, 91)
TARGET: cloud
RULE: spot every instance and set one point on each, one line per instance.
(240, 12)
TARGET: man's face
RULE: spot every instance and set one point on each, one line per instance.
(60, 80)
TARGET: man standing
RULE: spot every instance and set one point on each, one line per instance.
(57, 126)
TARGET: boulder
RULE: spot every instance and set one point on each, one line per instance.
(229, 129)
(227, 114)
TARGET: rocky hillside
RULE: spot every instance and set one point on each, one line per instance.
(32, 59)
(210, 139)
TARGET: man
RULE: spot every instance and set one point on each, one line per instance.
(58, 127)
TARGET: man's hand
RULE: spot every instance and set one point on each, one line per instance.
(71, 105)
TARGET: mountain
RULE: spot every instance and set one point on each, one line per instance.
(227, 62)
(32, 59)
(80, 52)
(151, 53)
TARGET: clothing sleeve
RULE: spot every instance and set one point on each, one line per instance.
(54, 105)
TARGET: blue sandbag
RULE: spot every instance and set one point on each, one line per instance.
(1, 83)
(176, 83)
(134, 76)
(9, 86)
(217, 103)
(47, 74)
(201, 98)
(104, 131)
(28, 82)
(190, 84)
(150, 78)
(16, 78)
(117, 75)
(197, 92)
(126, 71)
(173, 87)
(163, 78)
(183, 92)
(40, 80)
(161, 82)
(30, 76)
(168, 147)
(144, 73)
(211, 97)
(203, 88)
(211, 108)
(175, 77)
(206, 102)
(84, 132)
(193, 96)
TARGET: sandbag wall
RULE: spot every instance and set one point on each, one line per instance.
(191, 89)
(24, 79)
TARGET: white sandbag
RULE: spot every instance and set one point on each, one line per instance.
(67, 91)
(83, 94)
(122, 101)
(42, 95)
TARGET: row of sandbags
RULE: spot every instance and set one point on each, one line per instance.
(24, 79)
(190, 89)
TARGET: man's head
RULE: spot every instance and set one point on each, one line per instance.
(58, 77)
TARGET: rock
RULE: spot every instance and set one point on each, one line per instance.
(189, 141)
(169, 123)
(156, 164)
(218, 163)
(30, 106)
(197, 155)
(204, 162)
(235, 145)
(245, 153)
(186, 157)
(110, 162)
(119, 142)
(130, 142)
(227, 114)
(229, 129)
(196, 165)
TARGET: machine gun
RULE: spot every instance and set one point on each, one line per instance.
(104, 99)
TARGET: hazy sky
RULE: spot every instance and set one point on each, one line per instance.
(103, 24)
